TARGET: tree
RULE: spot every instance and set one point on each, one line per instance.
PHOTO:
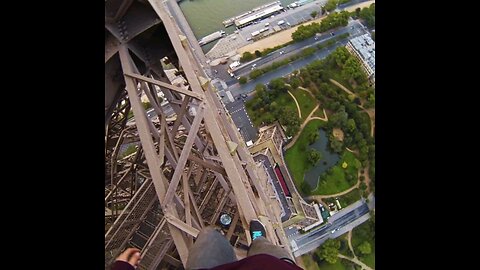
(329, 251)
(368, 14)
(242, 80)
(314, 14)
(340, 56)
(295, 82)
(365, 248)
(363, 186)
(331, 5)
(256, 73)
(351, 127)
(278, 85)
(313, 156)
(370, 101)
(357, 12)
(336, 145)
(247, 56)
(146, 105)
(312, 137)
(258, 53)
(289, 118)
(353, 69)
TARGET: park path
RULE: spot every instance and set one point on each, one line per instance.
(355, 260)
(319, 197)
(296, 102)
(295, 138)
(349, 238)
(308, 119)
(370, 112)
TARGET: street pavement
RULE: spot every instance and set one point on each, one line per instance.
(237, 89)
(295, 48)
(340, 223)
(241, 119)
(242, 36)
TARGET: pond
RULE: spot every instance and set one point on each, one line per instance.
(328, 160)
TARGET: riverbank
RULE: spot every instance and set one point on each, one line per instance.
(286, 35)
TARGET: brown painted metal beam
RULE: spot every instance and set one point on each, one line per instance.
(206, 164)
(166, 85)
(213, 126)
(149, 148)
(187, 148)
(181, 225)
(231, 230)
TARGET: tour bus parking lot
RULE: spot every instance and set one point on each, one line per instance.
(291, 17)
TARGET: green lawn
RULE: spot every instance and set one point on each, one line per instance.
(305, 101)
(319, 112)
(259, 116)
(360, 234)
(295, 156)
(336, 266)
(335, 181)
(309, 263)
(350, 197)
(344, 249)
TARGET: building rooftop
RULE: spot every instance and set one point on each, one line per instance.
(365, 47)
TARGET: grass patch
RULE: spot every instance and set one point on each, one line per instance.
(319, 113)
(335, 180)
(360, 234)
(309, 262)
(336, 266)
(350, 197)
(344, 249)
(295, 156)
(259, 116)
(305, 101)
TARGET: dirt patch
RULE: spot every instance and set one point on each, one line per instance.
(361, 5)
(338, 134)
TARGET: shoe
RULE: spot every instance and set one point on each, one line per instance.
(257, 229)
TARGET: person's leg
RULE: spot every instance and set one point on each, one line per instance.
(209, 250)
(262, 246)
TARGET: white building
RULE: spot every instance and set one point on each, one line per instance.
(363, 47)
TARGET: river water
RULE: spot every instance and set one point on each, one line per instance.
(206, 16)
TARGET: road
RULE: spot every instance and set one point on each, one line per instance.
(236, 89)
(343, 221)
(292, 17)
(243, 36)
(242, 120)
(297, 47)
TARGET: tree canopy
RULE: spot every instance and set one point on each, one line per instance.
(313, 156)
(328, 251)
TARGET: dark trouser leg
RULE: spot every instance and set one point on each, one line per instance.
(262, 246)
(209, 250)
